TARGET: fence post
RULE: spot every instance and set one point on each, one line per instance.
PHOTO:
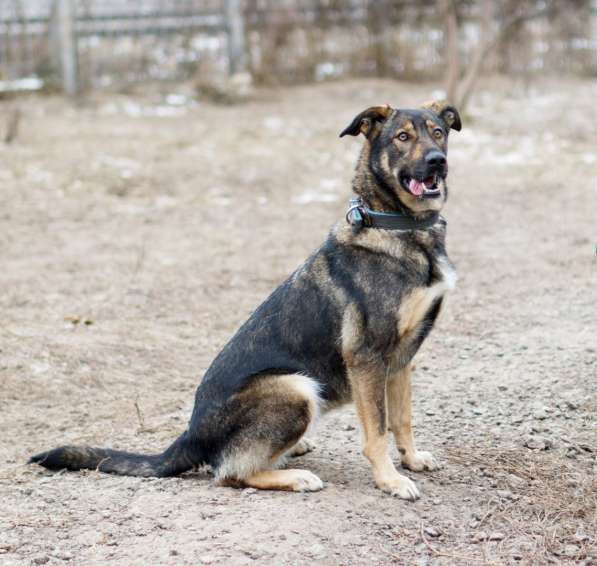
(65, 36)
(235, 27)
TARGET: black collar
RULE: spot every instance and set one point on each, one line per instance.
(359, 217)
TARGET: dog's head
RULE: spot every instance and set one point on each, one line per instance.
(406, 153)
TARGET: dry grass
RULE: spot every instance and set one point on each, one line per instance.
(554, 506)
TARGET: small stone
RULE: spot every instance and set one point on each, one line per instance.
(516, 481)
(348, 427)
(249, 491)
(504, 494)
(570, 550)
(538, 443)
(317, 551)
(480, 536)
(540, 414)
(432, 532)
(41, 559)
(496, 536)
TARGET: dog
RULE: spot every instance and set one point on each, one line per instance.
(343, 327)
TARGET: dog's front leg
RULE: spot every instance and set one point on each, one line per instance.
(369, 392)
(399, 409)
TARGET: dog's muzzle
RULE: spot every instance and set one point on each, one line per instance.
(425, 183)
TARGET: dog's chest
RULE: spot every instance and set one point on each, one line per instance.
(418, 303)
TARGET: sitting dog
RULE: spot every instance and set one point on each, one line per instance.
(343, 327)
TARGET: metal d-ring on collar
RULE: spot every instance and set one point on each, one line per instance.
(359, 217)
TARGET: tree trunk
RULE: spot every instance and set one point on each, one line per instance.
(378, 36)
(237, 56)
(450, 16)
(486, 43)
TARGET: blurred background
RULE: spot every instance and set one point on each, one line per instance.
(84, 45)
(165, 164)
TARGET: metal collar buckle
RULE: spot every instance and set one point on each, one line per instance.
(355, 215)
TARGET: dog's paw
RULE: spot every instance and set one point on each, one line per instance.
(304, 480)
(400, 486)
(420, 461)
(303, 446)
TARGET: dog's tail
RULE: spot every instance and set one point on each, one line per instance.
(181, 456)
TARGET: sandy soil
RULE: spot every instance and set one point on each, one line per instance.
(159, 225)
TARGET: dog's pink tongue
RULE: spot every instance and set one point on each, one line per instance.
(416, 187)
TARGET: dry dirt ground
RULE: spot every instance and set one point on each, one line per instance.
(159, 225)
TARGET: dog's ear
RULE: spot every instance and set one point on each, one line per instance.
(364, 122)
(446, 112)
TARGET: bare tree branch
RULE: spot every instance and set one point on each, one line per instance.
(487, 43)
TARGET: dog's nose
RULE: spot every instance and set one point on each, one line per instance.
(435, 159)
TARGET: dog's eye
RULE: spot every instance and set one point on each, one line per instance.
(402, 136)
(438, 134)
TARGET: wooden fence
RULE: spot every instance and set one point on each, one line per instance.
(92, 43)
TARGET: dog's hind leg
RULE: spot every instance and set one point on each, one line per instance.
(399, 413)
(269, 417)
(285, 480)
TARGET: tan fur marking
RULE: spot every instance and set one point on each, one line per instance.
(399, 407)
(431, 125)
(369, 411)
(385, 161)
(352, 332)
(415, 305)
(417, 152)
(409, 128)
(378, 241)
(367, 387)
(365, 126)
(285, 480)
(413, 308)
(399, 391)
